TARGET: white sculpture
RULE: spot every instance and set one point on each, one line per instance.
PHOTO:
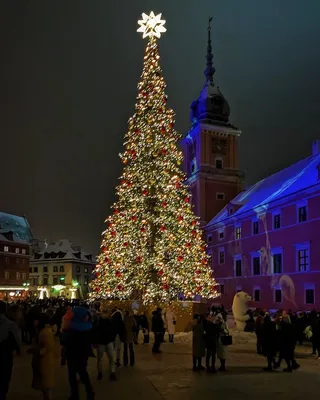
(240, 309)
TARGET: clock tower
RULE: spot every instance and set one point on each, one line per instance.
(211, 149)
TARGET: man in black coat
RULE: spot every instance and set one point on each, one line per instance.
(268, 339)
(105, 335)
(157, 328)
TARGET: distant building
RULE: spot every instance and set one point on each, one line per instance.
(210, 149)
(60, 269)
(15, 240)
(266, 240)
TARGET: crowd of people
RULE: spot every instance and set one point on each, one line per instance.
(83, 331)
(77, 331)
(279, 334)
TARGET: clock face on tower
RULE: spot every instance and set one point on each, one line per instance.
(219, 146)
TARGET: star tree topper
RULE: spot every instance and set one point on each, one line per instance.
(151, 25)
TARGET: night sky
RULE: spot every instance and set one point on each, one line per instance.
(69, 74)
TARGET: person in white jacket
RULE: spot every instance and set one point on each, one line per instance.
(170, 320)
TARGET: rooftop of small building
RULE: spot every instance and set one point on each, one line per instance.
(15, 229)
(61, 250)
(260, 196)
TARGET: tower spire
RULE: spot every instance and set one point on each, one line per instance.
(210, 70)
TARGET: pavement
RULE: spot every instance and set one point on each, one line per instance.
(169, 376)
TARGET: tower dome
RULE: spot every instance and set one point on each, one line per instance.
(211, 106)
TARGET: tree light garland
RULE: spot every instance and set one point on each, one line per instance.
(152, 249)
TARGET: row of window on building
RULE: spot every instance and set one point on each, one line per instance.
(309, 294)
(55, 268)
(8, 260)
(6, 249)
(56, 280)
(301, 217)
(276, 261)
(18, 275)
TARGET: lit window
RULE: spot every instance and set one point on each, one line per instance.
(18, 276)
(303, 259)
(238, 232)
(6, 275)
(24, 276)
(276, 221)
(302, 214)
(221, 257)
(6, 248)
(278, 296)
(220, 196)
(309, 295)
(255, 227)
(23, 251)
(277, 263)
(256, 265)
(238, 267)
(17, 250)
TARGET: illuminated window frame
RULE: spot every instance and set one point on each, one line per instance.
(221, 251)
(276, 251)
(302, 247)
(236, 258)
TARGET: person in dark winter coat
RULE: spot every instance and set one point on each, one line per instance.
(316, 336)
(117, 320)
(10, 341)
(77, 340)
(145, 327)
(105, 334)
(312, 321)
(198, 343)
(211, 339)
(268, 338)
(288, 340)
(157, 328)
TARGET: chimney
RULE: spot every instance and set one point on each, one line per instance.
(315, 147)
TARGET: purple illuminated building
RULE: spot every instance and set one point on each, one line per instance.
(263, 240)
(266, 240)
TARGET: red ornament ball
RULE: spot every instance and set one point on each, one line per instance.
(145, 192)
(160, 273)
(162, 228)
(98, 274)
(165, 287)
(139, 259)
(125, 244)
(160, 111)
(120, 287)
(180, 258)
(194, 233)
(178, 185)
(163, 129)
(163, 152)
(204, 261)
(107, 259)
(171, 125)
(118, 274)
(113, 233)
(180, 218)
(188, 245)
(142, 230)
(164, 204)
(97, 289)
(115, 211)
(198, 272)
(186, 199)
(104, 249)
(133, 218)
(199, 288)
(137, 131)
(123, 182)
(194, 223)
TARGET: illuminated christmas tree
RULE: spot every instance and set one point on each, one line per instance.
(152, 248)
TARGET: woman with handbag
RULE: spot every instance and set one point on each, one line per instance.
(224, 339)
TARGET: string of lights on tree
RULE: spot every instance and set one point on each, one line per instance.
(152, 249)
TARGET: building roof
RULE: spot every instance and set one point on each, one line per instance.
(289, 181)
(62, 250)
(14, 229)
